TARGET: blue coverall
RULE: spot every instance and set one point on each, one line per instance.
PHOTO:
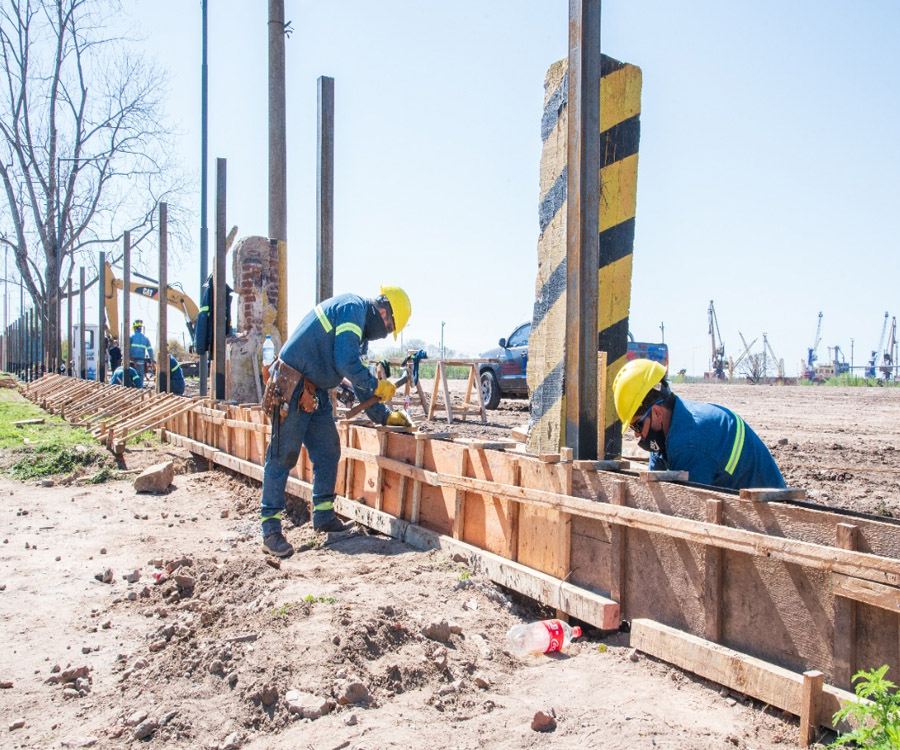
(176, 377)
(119, 376)
(326, 347)
(716, 447)
(140, 352)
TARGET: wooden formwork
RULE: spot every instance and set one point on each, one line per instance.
(760, 596)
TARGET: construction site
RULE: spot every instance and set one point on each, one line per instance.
(137, 606)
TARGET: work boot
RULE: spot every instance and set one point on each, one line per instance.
(335, 525)
(275, 544)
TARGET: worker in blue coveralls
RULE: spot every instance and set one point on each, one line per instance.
(134, 380)
(176, 377)
(713, 444)
(140, 351)
(326, 347)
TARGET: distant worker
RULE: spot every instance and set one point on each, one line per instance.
(135, 379)
(115, 354)
(326, 347)
(140, 351)
(711, 443)
(176, 377)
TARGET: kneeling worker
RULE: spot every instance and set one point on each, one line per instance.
(326, 347)
(711, 443)
(134, 377)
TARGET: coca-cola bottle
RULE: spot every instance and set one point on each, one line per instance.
(540, 637)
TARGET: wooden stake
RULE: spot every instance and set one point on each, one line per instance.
(459, 516)
(714, 561)
(619, 539)
(845, 611)
(810, 705)
(417, 484)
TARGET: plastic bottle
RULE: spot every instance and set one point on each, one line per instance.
(268, 351)
(540, 637)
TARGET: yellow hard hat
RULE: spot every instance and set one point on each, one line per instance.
(400, 307)
(632, 384)
(137, 324)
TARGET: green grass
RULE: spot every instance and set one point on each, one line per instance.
(318, 599)
(42, 450)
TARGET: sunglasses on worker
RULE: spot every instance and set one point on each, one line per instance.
(638, 425)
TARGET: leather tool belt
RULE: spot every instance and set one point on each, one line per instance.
(280, 388)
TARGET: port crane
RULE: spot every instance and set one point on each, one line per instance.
(779, 363)
(733, 363)
(871, 370)
(717, 359)
(809, 371)
(889, 354)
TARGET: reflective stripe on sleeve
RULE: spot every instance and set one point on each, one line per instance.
(352, 327)
(737, 447)
(323, 319)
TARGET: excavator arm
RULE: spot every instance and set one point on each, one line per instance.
(174, 297)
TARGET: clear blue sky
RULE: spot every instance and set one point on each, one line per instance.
(768, 166)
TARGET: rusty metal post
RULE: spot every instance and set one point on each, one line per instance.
(125, 341)
(278, 157)
(219, 282)
(325, 192)
(82, 353)
(582, 227)
(101, 322)
(162, 347)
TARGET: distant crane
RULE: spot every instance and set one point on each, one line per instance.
(889, 356)
(809, 371)
(779, 363)
(871, 372)
(733, 363)
(717, 360)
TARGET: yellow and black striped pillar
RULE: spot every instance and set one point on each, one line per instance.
(620, 98)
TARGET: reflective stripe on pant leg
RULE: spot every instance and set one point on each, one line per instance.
(324, 448)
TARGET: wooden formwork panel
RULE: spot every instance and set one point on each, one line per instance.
(803, 588)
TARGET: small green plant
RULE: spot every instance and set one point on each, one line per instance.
(877, 717)
(106, 474)
(318, 599)
(465, 575)
(283, 610)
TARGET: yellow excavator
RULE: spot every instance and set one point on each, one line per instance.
(174, 297)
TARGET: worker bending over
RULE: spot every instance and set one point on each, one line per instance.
(134, 377)
(326, 347)
(713, 444)
(176, 377)
(140, 351)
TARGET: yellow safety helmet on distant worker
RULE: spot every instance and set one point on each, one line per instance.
(137, 324)
(632, 384)
(400, 307)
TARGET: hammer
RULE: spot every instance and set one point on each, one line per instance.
(374, 399)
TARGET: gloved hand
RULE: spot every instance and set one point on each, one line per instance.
(385, 390)
(398, 419)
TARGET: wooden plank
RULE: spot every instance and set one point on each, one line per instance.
(606, 465)
(417, 483)
(663, 476)
(772, 496)
(434, 393)
(745, 674)
(811, 702)
(845, 615)
(351, 464)
(379, 477)
(714, 563)
(459, 515)
(868, 592)
(512, 539)
(618, 535)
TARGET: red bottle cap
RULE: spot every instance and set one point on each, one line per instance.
(576, 632)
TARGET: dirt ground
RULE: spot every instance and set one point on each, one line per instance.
(132, 618)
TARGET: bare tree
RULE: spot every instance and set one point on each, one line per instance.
(753, 367)
(84, 152)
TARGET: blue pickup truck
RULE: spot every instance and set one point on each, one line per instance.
(506, 378)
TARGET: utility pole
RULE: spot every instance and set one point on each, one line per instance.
(204, 232)
(278, 156)
(162, 346)
(101, 322)
(442, 339)
(325, 192)
(662, 332)
(126, 310)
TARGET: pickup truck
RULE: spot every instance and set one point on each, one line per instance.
(506, 379)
